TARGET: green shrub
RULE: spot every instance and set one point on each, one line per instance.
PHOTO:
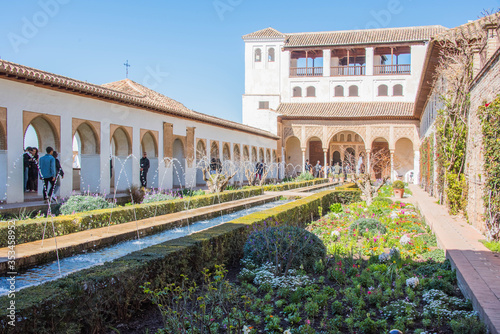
(284, 246)
(384, 200)
(158, 197)
(79, 203)
(336, 208)
(469, 325)
(398, 184)
(305, 176)
(94, 298)
(372, 224)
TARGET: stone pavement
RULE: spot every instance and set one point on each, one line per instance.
(478, 269)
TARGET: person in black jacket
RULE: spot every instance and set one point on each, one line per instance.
(33, 173)
(26, 164)
(144, 169)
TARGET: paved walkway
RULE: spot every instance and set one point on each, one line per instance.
(478, 269)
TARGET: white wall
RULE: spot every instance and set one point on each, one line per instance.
(16, 97)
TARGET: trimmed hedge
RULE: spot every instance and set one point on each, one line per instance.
(91, 299)
(293, 185)
(32, 229)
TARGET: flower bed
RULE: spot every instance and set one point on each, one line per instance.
(361, 286)
(91, 299)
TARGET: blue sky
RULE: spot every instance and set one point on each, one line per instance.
(189, 50)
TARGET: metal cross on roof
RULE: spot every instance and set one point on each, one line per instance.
(127, 65)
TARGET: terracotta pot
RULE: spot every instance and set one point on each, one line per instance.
(398, 193)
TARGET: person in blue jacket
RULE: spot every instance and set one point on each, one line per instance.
(48, 172)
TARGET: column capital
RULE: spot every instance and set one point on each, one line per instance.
(303, 149)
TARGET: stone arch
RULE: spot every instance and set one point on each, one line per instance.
(261, 154)
(226, 152)
(254, 154)
(121, 142)
(46, 132)
(149, 144)
(86, 157)
(201, 161)
(178, 164)
(339, 132)
(89, 138)
(214, 150)
(293, 151)
(404, 156)
(246, 153)
(315, 150)
(236, 153)
(380, 150)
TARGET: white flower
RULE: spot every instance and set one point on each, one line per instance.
(384, 257)
(246, 330)
(412, 282)
(335, 233)
(287, 332)
(405, 240)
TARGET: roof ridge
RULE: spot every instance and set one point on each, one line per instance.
(364, 30)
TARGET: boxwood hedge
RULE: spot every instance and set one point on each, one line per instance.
(32, 229)
(90, 300)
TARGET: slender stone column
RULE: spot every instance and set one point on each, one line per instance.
(367, 163)
(303, 159)
(392, 166)
(416, 167)
(325, 161)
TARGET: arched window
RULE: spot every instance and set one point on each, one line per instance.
(311, 91)
(258, 55)
(339, 91)
(383, 90)
(349, 138)
(342, 138)
(353, 90)
(397, 90)
(297, 92)
(270, 55)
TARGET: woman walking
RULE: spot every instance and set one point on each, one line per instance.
(32, 185)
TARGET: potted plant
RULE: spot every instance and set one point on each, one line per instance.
(399, 188)
(330, 177)
(341, 176)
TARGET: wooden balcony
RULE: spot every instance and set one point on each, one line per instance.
(391, 69)
(347, 70)
(306, 71)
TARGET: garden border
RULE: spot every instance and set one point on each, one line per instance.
(91, 299)
(32, 229)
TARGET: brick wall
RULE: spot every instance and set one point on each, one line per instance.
(486, 88)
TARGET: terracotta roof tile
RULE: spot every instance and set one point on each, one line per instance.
(351, 37)
(265, 33)
(124, 91)
(348, 109)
